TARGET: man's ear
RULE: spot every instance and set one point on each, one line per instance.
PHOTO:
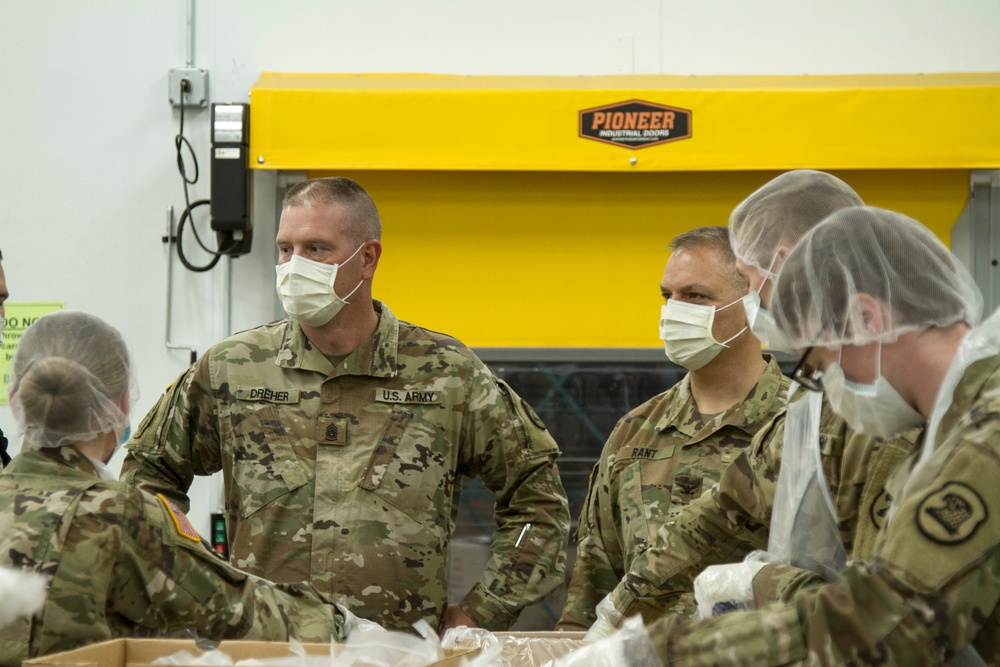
(867, 315)
(369, 259)
(781, 253)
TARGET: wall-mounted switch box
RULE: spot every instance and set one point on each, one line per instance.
(196, 94)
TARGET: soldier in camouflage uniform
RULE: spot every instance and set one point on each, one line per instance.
(119, 563)
(882, 304)
(734, 518)
(663, 454)
(342, 433)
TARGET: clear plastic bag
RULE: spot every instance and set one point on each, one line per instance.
(630, 645)
(512, 649)
(377, 647)
(804, 530)
(23, 593)
(608, 620)
(729, 587)
(369, 645)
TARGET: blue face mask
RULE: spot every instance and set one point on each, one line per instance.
(126, 434)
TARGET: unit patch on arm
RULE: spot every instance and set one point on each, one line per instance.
(952, 514)
(880, 508)
(182, 523)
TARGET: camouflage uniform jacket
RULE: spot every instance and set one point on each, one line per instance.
(932, 587)
(122, 563)
(733, 519)
(658, 459)
(348, 476)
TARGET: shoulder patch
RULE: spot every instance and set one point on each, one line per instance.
(181, 522)
(952, 514)
(532, 415)
(879, 508)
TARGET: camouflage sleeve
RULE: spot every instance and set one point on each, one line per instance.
(515, 456)
(779, 582)
(165, 578)
(722, 526)
(177, 439)
(594, 572)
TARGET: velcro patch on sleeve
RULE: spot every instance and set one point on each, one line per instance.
(181, 522)
(946, 528)
(951, 514)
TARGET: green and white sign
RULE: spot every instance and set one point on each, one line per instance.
(20, 316)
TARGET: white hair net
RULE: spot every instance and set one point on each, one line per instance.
(71, 379)
(912, 276)
(781, 211)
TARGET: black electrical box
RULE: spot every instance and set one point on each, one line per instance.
(230, 198)
(219, 542)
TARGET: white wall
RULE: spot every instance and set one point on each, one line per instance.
(87, 167)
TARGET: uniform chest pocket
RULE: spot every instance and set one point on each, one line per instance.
(265, 466)
(405, 469)
(629, 510)
(647, 481)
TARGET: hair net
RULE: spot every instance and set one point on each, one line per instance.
(884, 254)
(781, 211)
(69, 376)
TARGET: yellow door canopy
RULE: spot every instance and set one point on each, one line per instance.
(624, 123)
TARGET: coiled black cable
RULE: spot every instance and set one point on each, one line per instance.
(180, 141)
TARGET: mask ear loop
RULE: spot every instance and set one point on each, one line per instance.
(352, 255)
(769, 274)
(733, 337)
(356, 287)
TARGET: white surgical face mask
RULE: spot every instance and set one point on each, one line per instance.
(306, 289)
(686, 332)
(763, 325)
(873, 409)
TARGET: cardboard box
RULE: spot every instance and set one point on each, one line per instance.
(142, 652)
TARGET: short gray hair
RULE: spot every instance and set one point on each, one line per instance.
(717, 238)
(363, 217)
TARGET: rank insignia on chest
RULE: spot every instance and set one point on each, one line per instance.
(332, 430)
(407, 396)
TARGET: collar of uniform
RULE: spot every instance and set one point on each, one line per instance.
(67, 455)
(681, 410)
(968, 389)
(763, 401)
(747, 415)
(377, 357)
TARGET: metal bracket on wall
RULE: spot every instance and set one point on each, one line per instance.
(975, 238)
(171, 240)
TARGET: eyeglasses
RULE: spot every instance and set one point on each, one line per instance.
(811, 379)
